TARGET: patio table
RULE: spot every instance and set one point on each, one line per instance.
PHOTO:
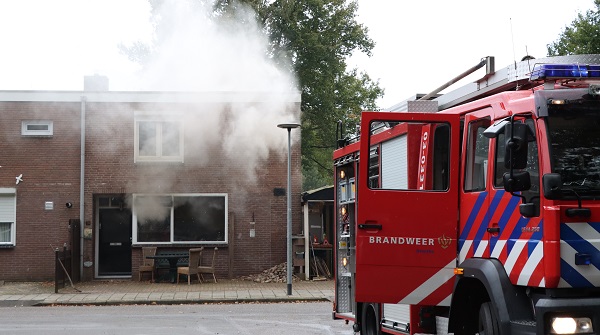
(173, 258)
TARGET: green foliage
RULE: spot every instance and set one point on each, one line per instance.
(582, 37)
(317, 37)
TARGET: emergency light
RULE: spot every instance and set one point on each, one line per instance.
(564, 71)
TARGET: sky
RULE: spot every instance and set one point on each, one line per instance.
(421, 45)
(51, 45)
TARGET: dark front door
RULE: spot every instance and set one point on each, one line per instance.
(114, 242)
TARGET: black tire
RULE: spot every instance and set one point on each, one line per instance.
(370, 320)
(488, 323)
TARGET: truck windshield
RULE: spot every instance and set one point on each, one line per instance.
(574, 136)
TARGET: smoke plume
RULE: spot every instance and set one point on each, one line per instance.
(195, 51)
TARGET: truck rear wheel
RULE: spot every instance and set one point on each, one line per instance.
(488, 323)
(370, 320)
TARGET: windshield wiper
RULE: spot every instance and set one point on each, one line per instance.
(585, 185)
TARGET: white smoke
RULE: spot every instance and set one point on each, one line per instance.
(195, 52)
(198, 52)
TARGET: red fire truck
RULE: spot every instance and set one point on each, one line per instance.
(475, 211)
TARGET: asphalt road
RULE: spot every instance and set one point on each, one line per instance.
(223, 319)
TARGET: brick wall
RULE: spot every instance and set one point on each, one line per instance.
(50, 168)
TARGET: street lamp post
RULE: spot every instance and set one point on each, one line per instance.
(289, 127)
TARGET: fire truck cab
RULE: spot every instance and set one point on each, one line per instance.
(477, 211)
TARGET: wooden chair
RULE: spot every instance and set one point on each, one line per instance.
(147, 263)
(192, 268)
(209, 269)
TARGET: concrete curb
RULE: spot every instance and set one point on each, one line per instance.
(42, 303)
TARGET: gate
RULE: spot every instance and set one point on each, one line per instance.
(66, 265)
(62, 267)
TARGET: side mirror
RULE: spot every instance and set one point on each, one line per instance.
(516, 135)
(552, 183)
(520, 181)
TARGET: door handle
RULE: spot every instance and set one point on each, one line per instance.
(370, 226)
(493, 230)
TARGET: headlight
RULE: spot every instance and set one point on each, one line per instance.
(567, 325)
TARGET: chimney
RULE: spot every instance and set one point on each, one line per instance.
(95, 83)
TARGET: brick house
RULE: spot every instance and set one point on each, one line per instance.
(169, 169)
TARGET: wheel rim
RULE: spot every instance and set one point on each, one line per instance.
(370, 322)
(488, 325)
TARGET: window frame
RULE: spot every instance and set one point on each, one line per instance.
(8, 192)
(172, 240)
(33, 132)
(433, 152)
(499, 148)
(159, 120)
(473, 136)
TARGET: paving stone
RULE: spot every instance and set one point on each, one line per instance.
(132, 291)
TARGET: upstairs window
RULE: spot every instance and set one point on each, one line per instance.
(158, 138)
(37, 128)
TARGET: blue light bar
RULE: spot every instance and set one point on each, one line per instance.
(564, 71)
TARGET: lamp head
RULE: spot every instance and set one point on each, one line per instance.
(288, 126)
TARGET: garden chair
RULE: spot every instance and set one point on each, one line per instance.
(211, 268)
(192, 268)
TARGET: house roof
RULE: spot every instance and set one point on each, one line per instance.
(146, 96)
(324, 193)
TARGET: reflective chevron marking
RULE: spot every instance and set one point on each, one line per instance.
(430, 285)
(579, 237)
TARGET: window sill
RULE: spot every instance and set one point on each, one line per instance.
(180, 245)
(158, 160)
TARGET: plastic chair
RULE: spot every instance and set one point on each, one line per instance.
(192, 268)
(147, 263)
(209, 269)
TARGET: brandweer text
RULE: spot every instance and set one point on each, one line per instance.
(400, 240)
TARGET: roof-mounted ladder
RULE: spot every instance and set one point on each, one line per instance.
(509, 78)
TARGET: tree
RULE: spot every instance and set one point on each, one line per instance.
(582, 37)
(317, 37)
(320, 35)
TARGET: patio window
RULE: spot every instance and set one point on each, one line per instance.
(181, 218)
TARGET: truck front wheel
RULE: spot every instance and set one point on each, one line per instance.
(488, 323)
(370, 320)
